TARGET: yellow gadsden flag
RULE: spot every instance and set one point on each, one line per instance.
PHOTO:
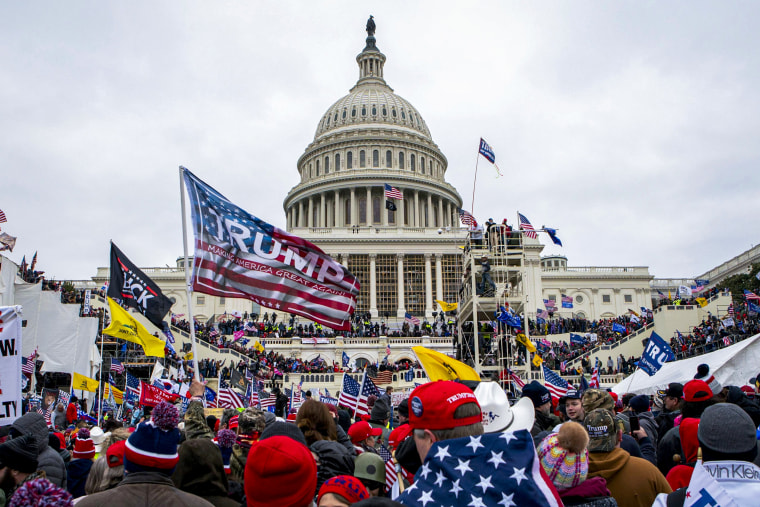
(84, 383)
(118, 396)
(523, 340)
(441, 367)
(124, 326)
(258, 346)
(537, 360)
(702, 302)
(447, 307)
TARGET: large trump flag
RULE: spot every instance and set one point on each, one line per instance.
(239, 255)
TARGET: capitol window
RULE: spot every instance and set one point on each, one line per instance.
(401, 160)
(362, 159)
(422, 165)
(374, 110)
(411, 162)
(375, 209)
(579, 299)
(430, 168)
(335, 118)
(403, 115)
(337, 161)
(349, 160)
(628, 298)
(385, 111)
(375, 158)
(344, 114)
(393, 112)
(327, 165)
(388, 159)
(362, 210)
(317, 167)
(364, 110)
(353, 112)
(200, 300)
(606, 298)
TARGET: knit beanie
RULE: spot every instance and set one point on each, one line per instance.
(346, 486)
(84, 447)
(40, 493)
(403, 407)
(564, 456)
(703, 373)
(225, 439)
(20, 454)
(153, 445)
(280, 471)
(279, 428)
(380, 410)
(726, 429)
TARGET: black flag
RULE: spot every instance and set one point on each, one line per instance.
(390, 206)
(135, 289)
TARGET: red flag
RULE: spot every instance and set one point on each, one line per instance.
(152, 395)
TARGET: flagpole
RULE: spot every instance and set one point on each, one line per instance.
(102, 324)
(475, 179)
(187, 277)
(361, 387)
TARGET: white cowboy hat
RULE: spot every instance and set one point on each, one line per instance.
(498, 415)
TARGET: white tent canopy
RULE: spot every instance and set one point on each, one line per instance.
(732, 366)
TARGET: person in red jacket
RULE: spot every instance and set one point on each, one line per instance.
(71, 410)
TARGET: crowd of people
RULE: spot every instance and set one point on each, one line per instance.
(447, 443)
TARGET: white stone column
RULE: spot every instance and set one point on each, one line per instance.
(428, 287)
(384, 211)
(372, 285)
(354, 213)
(439, 277)
(336, 211)
(400, 272)
(430, 210)
(449, 218)
(369, 206)
(311, 213)
(322, 211)
(400, 219)
(300, 213)
(416, 222)
(440, 213)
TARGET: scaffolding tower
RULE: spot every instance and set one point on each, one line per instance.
(485, 343)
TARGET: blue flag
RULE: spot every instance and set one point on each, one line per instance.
(345, 359)
(553, 235)
(752, 307)
(657, 353)
(409, 375)
(618, 328)
(577, 339)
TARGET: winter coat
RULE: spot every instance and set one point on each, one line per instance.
(343, 439)
(48, 458)
(669, 445)
(737, 397)
(649, 425)
(334, 460)
(200, 471)
(544, 423)
(144, 489)
(592, 492)
(195, 422)
(76, 476)
(59, 419)
(71, 413)
(634, 482)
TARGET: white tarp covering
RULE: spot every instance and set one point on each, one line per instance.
(732, 366)
(8, 272)
(63, 340)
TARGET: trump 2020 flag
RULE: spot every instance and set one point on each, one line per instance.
(487, 152)
(490, 469)
(130, 285)
(657, 353)
(239, 255)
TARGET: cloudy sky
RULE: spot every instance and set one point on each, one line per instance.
(631, 127)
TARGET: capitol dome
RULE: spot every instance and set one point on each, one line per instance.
(365, 140)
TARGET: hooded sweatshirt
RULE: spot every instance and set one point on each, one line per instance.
(200, 471)
(738, 480)
(49, 460)
(633, 482)
(680, 475)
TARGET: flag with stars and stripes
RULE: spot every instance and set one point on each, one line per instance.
(133, 388)
(266, 400)
(117, 366)
(520, 383)
(393, 193)
(349, 393)
(390, 469)
(228, 398)
(526, 226)
(556, 385)
(466, 218)
(239, 255)
(494, 469)
(368, 389)
(411, 319)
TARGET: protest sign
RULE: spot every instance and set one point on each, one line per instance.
(10, 364)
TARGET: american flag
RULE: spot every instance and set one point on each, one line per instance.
(251, 264)
(133, 388)
(525, 226)
(520, 383)
(368, 389)
(383, 377)
(349, 392)
(731, 310)
(2, 216)
(228, 398)
(252, 395)
(266, 400)
(393, 193)
(542, 314)
(467, 219)
(28, 364)
(550, 303)
(726, 341)
(411, 319)
(595, 376)
(117, 366)
(556, 385)
(390, 469)
(748, 294)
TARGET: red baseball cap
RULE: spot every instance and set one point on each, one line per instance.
(432, 405)
(115, 453)
(696, 390)
(398, 435)
(362, 430)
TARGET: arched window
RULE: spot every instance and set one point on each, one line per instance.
(401, 160)
(350, 160)
(393, 112)
(388, 159)
(362, 159)
(364, 110)
(376, 209)
(344, 113)
(374, 110)
(317, 167)
(311, 172)
(375, 158)
(385, 111)
(411, 162)
(422, 165)
(430, 168)
(347, 212)
(362, 210)
(335, 118)
(353, 112)
(337, 161)
(403, 115)
(327, 165)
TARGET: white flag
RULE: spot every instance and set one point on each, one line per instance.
(684, 291)
(704, 490)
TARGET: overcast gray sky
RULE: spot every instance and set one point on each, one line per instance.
(632, 127)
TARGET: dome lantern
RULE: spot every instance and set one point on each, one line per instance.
(370, 60)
